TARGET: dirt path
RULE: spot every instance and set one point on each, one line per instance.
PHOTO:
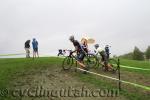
(53, 78)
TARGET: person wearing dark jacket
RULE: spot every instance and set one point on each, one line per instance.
(27, 48)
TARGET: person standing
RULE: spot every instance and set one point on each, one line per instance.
(27, 48)
(35, 48)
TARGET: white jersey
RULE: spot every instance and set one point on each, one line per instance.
(67, 53)
(99, 50)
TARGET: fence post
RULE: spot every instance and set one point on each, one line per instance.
(76, 66)
(119, 74)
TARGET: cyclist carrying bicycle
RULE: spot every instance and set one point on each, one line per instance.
(104, 59)
(80, 52)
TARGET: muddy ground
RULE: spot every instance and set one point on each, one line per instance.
(52, 79)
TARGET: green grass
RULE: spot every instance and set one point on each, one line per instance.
(138, 64)
(134, 63)
(105, 84)
(10, 67)
(129, 94)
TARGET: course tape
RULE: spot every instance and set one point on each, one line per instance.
(12, 54)
(3, 55)
(126, 82)
(133, 67)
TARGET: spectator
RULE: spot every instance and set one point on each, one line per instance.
(35, 48)
(27, 48)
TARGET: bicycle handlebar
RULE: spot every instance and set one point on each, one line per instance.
(71, 53)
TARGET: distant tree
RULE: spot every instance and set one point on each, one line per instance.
(147, 53)
(137, 54)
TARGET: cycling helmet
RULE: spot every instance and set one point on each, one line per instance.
(96, 45)
(107, 46)
(71, 37)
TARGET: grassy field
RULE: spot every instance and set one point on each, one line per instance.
(136, 64)
(25, 73)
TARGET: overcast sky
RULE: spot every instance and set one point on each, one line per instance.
(122, 24)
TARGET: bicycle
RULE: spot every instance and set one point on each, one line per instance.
(112, 63)
(90, 60)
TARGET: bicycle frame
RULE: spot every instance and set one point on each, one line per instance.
(69, 61)
(81, 64)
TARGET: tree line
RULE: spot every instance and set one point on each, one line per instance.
(137, 54)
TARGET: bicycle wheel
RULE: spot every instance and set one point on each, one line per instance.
(91, 60)
(67, 63)
(114, 64)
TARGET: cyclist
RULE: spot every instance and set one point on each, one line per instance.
(60, 52)
(107, 51)
(80, 52)
(103, 54)
(84, 44)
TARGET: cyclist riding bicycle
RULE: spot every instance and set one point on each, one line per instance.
(80, 52)
(104, 60)
(84, 44)
(107, 51)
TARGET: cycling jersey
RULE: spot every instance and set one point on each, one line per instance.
(103, 54)
(80, 50)
(107, 51)
(85, 47)
(99, 50)
(77, 44)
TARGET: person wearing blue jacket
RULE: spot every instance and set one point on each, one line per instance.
(35, 48)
